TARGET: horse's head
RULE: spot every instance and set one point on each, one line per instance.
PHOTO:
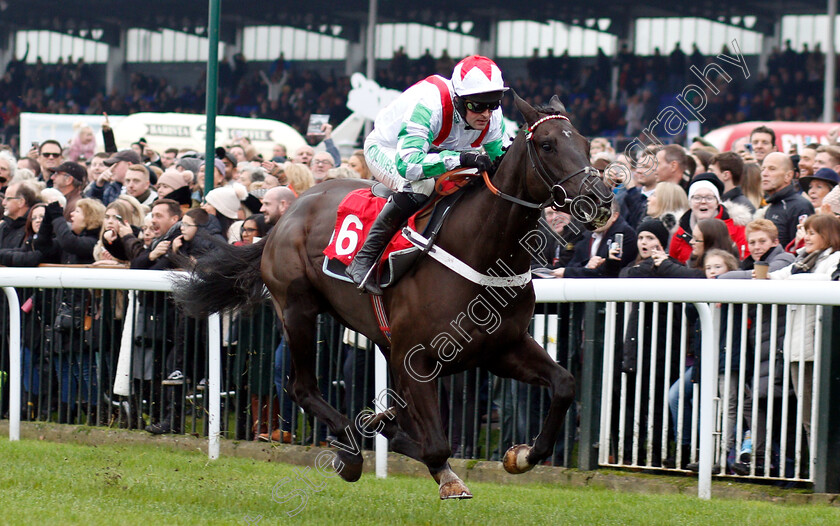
(559, 172)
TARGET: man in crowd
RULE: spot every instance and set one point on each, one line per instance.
(728, 167)
(49, 155)
(322, 162)
(167, 160)
(109, 185)
(303, 155)
(634, 200)
(69, 178)
(137, 184)
(588, 259)
(807, 158)
(827, 156)
(275, 203)
(670, 165)
(17, 201)
(763, 140)
(786, 206)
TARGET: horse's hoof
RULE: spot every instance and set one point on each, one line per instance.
(349, 472)
(454, 489)
(516, 459)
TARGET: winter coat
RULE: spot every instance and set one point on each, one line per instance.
(804, 316)
(736, 195)
(734, 215)
(785, 208)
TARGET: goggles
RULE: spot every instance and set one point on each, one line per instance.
(481, 107)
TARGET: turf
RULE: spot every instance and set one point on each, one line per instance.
(46, 482)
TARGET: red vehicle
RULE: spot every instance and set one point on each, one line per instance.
(787, 133)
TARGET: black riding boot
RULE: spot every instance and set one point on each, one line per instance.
(398, 209)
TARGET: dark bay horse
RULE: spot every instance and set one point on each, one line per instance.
(441, 323)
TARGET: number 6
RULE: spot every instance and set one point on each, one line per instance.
(348, 235)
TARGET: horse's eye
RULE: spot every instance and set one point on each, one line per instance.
(547, 146)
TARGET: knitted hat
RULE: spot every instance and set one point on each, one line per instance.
(219, 166)
(700, 185)
(224, 200)
(655, 227)
(709, 178)
(190, 163)
(832, 199)
(172, 179)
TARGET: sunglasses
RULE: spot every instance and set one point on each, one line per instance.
(51, 155)
(481, 107)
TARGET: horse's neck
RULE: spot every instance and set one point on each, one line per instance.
(496, 226)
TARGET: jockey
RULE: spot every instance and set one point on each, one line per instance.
(435, 126)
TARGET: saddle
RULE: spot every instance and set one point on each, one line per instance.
(356, 214)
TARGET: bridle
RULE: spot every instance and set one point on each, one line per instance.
(557, 197)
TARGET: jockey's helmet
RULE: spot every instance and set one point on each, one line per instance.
(478, 79)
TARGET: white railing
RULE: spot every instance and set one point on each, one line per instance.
(702, 293)
(112, 279)
(699, 292)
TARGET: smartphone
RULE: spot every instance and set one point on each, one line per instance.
(618, 245)
(35, 145)
(119, 218)
(748, 147)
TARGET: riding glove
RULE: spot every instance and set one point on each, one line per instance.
(477, 160)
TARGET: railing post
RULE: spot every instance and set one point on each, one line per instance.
(827, 472)
(214, 342)
(14, 363)
(708, 390)
(590, 384)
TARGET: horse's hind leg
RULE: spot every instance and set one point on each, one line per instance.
(300, 320)
(529, 363)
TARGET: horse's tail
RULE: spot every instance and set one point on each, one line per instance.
(225, 277)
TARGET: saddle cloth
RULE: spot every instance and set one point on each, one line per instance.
(356, 215)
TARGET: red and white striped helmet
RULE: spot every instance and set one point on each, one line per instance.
(476, 74)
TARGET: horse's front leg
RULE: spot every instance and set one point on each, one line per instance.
(528, 362)
(421, 419)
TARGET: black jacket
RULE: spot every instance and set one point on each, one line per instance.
(12, 231)
(633, 206)
(786, 207)
(576, 267)
(737, 196)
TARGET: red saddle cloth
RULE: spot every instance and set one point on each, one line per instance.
(356, 214)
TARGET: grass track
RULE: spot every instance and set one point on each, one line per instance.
(47, 482)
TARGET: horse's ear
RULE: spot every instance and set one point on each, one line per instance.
(555, 104)
(527, 111)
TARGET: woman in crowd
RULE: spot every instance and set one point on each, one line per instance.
(357, 163)
(817, 260)
(172, 184)
(668, 203)
(817, 186)
(75, 366)
(253, 229)
(705, 202)
(298, 177)
(224, 207)
(751, 184)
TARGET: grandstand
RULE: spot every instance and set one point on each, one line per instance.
(598, 56)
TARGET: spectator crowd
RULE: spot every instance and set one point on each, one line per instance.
(289, 92)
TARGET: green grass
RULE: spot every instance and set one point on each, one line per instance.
(46, 482)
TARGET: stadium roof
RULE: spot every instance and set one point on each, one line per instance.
(344, 18)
